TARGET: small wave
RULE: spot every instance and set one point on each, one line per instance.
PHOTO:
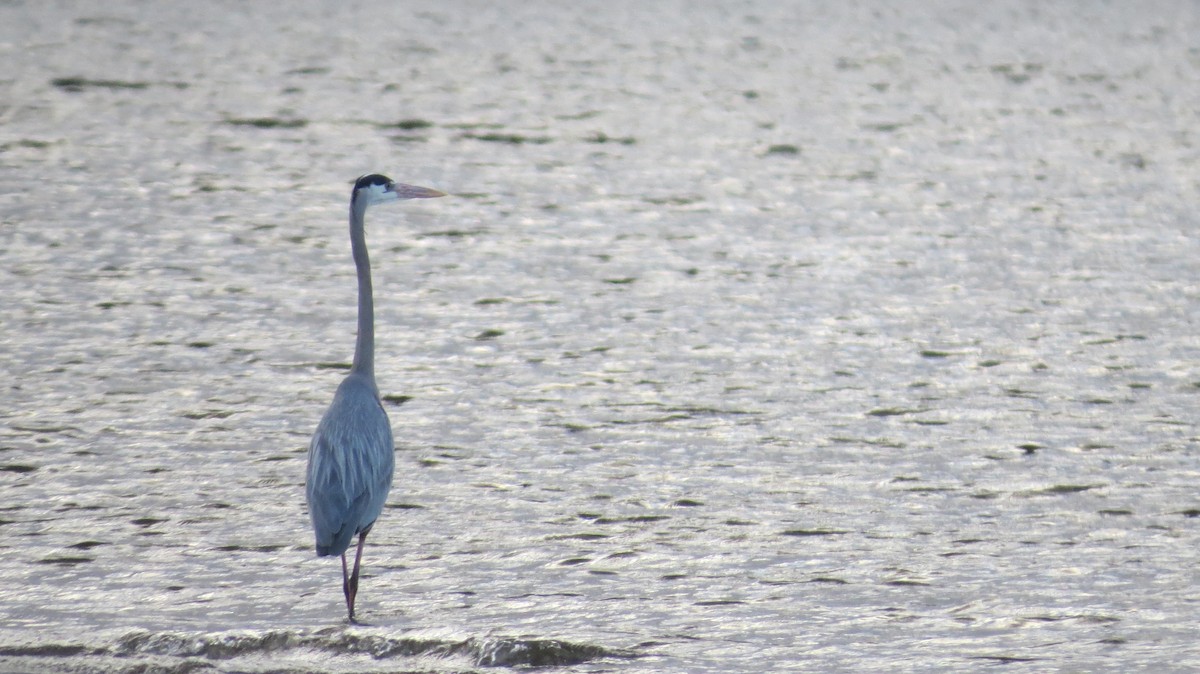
(483, 652)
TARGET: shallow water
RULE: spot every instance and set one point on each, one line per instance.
(755, 337)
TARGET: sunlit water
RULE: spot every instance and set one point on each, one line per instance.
(756, 336)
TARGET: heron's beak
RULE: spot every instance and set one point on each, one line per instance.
(413, 192)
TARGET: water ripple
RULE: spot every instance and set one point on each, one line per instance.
(333, 649)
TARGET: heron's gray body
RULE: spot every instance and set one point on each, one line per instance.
(351, 460)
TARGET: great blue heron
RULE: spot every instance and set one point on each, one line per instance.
(351, 456)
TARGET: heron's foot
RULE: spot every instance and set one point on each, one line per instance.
(351, 590)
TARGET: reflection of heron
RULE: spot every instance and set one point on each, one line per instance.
(350, 459)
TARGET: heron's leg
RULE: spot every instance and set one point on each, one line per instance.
(353, 583)
(346, 588)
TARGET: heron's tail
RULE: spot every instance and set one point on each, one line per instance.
(336, 544)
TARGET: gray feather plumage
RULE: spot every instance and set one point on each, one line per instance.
(351, 459)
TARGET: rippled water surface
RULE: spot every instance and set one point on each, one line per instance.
(755, 336)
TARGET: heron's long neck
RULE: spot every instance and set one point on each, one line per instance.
(364, 347)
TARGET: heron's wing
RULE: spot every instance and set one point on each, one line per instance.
(350, 464)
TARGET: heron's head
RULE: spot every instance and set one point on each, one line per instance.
(376, 189)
